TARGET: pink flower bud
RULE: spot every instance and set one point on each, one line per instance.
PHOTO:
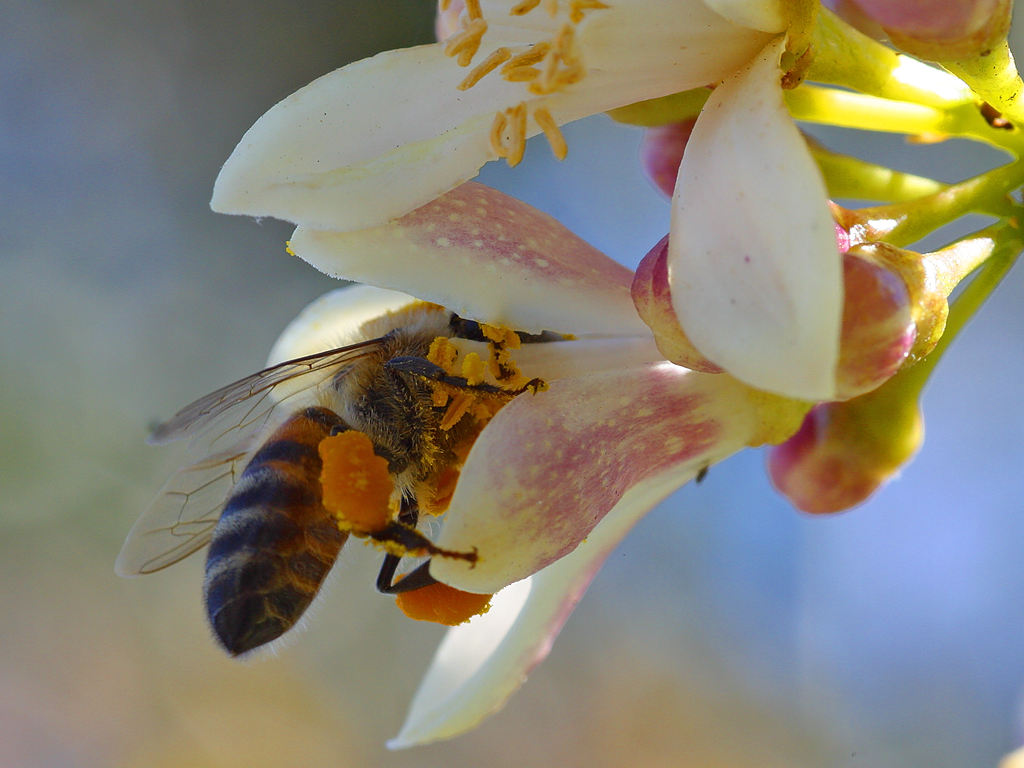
(844, 451)
(942, 30)
(662, 151)
(878, 328)
(446, 22)
(652, 297)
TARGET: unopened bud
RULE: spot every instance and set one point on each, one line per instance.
(446, 23)
(662, 151)
(942, 30)
(652, 297)
(878, 328)
(844, 451)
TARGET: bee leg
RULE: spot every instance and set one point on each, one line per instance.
(416, 579)
(418, 366)
(471, 331)
(409, 541)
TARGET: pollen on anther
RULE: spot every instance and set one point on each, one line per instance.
(464, 44)
(524, 7)
(551, 132)
(473, 9)
(517, 145)
(493, 60)
(497, 136)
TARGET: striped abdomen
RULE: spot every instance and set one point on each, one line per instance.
(274, 542)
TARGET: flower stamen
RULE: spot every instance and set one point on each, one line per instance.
(473, 9)
(551, 132)
(495, 59)
(464, 44)
(577, 8)
(524, 7)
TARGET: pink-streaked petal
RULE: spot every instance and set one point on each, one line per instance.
(652, 297)
(550, 466)
(333, 320)
(662, 151)
(486, 256)
(480, 664)
(753, 264)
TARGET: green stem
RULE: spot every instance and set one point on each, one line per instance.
(829, 106)
(844, 56)
(904, 223)
(993, 76)
(853, 178)
(1009, 243)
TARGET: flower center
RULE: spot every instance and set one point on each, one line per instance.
(546, 67)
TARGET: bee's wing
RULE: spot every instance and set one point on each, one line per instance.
(226, 427)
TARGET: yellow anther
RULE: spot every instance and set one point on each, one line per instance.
(444, 4)
(517, 144)
(529, 57)
(579, 7)
(464, 44)
(524, 7)
(521, 74)
(473, 369)
(473, 9)
(551, 132)
(497, 137)
(552, 7)
(485, 67)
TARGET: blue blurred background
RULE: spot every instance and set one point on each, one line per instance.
(728, 630)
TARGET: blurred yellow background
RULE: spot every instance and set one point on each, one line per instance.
(728, 631)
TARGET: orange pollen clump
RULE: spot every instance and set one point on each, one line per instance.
(442, 604)
(355, 481)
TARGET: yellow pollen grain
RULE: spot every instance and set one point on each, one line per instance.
(443, 353)
(473, 9)
(551, 132)
(288, 248)
(524, 7)
(473, 369)
(486, 66)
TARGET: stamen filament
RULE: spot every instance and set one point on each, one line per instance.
(496, 58)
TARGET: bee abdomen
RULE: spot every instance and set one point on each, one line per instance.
(274, 543)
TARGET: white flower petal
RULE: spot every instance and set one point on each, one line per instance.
(480, 664)
(765, 15)
(753, 263)
(377, 138)
(488, 257)
(333, 320)
(363, 144)
(550, 466)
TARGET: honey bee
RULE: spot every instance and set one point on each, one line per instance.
(254, 495)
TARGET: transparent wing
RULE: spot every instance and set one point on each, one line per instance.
(181, 519)
(226, 427)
